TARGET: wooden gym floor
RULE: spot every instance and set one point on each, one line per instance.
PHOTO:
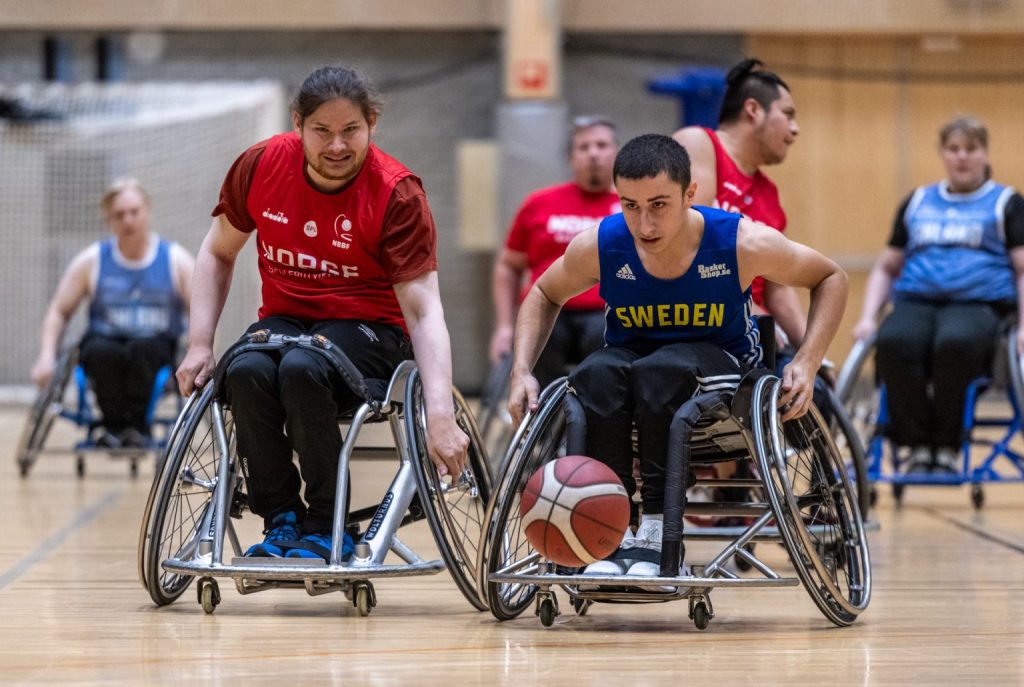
(948, 608)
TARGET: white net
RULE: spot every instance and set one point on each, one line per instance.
(60, 146)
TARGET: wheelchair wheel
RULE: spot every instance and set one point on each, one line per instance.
(45, 409)
(814, 505)
(181, 496)
(495, 423)
(539, 440)
(858, 390)
(455, 507)
(851, 448)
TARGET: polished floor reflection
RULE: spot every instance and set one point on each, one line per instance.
(948, 608)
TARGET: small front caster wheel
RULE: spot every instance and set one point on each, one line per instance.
(209, 594)
(547, 612)
(701, 615)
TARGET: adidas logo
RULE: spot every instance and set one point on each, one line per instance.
(625, 273)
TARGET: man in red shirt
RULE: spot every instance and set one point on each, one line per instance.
(756, 126)
(545, 224)
(347, 250)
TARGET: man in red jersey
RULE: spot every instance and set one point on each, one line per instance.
(756, 126)
(545, 224)
(347, 250)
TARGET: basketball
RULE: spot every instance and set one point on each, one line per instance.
(574, 511)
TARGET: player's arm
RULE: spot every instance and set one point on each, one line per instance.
(509, 268)
(765, 251)
(573, 273)
(420, 300)
(183, 266)
(876, 293)
(703, 167)
(211, 280)
(72, 290)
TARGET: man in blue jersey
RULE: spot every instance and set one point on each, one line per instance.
(676, 279)
(137, 285)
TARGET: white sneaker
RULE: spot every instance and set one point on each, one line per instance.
(947, 460)
(919, 461)
(647, 539)
(612, 566)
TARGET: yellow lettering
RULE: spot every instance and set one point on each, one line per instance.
(643, 315)
(623, 317)
(717, 315)
(698, 314)
(682, 317)
(663, 320)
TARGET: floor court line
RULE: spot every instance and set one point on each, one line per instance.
(49, 545)
(977, 531)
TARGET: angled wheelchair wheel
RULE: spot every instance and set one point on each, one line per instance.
(859, 391)
(44, 411)
(851, 448)
(454, 508)
(540, 439)
(180, 501)
(814, 505)
(495, 423)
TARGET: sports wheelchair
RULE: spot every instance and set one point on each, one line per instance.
(495, 422)
(802, 497)
(57, 400)
(864, 397)
(187, 528)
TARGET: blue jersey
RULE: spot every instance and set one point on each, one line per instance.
(705, 304)
(956, 245)
(135, 302)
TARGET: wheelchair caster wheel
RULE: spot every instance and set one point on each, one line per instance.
(363, 598)
(742, 564)
(977, 496)
(80, 466)
(133, 468)
(209, 594)
(23, 467)
(581, 606)
(872, 498)
(547, 612)
(897, 493)
(701, 615)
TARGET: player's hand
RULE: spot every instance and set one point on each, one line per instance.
(447, 445)
(797, 389)
(195, 370)
(522, 396)
(501, 343)
(42, 371)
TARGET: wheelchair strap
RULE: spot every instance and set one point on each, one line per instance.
(264, 340)
(635, 553)
(709, 404)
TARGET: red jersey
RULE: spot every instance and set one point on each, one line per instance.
(754, 197)
(546, 223)
(325, 256)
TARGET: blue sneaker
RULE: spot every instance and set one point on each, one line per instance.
(285, 528)
(316, 545)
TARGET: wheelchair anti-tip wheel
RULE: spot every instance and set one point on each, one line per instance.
(455, 505)
(815, 508)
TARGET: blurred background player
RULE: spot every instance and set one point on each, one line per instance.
(953, 270)
(347, 250)
(138, 289)
(545, 224)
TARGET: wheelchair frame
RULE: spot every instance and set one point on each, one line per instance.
(172, 553)
(50, 404)
(869, 408)
(814, 515)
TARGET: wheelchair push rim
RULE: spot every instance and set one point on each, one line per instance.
(814, 506)
(455, 507)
